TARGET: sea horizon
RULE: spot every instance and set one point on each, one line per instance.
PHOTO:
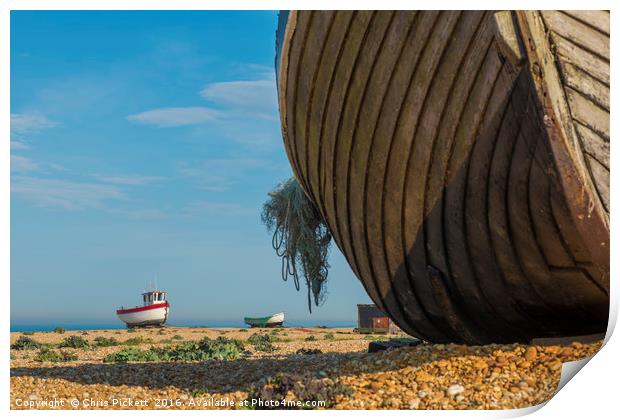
(47, 326)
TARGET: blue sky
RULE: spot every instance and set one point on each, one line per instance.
(143, 144)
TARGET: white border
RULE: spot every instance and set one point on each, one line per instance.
(592, 395)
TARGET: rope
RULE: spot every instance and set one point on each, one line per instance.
(300, 238)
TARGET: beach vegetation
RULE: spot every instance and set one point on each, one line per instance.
(59, 330)
(106, 342)
(136, 341)
(28, 332)
(329, 336)
(262, 342)
(131, 354)
(49, 355)
(177, 337)
(310, 338)
(27, 343)
(375, 337)
(205, 349)
(74, 341)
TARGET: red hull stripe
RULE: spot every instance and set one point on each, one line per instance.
(143, 308)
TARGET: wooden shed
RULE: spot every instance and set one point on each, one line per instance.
(371, 319)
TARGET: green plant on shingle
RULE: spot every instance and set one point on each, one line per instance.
(135, 341)
(310, 338)
(28, 332)
(105, 342)
(49, 355)
(375, 338)
(26, 343)
(262, 342)
(59, 330)
(329, 336)
(131, 354)
(74, 341)
(205, 349)
(221, 348)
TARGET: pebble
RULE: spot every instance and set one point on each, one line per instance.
(455, 389)
(414, 404)
(530, 354)
(424, 377)
(481, 364)
(445, 376)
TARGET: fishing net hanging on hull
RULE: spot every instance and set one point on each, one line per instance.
(300, 237)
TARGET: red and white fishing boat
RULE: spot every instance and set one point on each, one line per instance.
(153, 312)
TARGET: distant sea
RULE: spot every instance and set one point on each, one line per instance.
(17, 327)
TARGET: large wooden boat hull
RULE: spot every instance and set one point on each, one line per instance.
(461, 161)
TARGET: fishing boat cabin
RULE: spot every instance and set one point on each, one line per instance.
(156, 296)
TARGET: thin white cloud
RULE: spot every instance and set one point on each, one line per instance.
(256, 96)
(24, 124)
(18, 145)
(29, 123)
(23, 164)
(141, 214)
(128, 179)
(175, 117)
(63, 194)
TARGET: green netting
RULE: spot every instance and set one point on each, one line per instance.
(300, 237)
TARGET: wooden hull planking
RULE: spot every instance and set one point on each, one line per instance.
(463, 172)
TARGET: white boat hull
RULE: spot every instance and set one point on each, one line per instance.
(276, 318)
(144, 316)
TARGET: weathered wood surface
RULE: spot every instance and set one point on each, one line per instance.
(581, 43)
(424, 141)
